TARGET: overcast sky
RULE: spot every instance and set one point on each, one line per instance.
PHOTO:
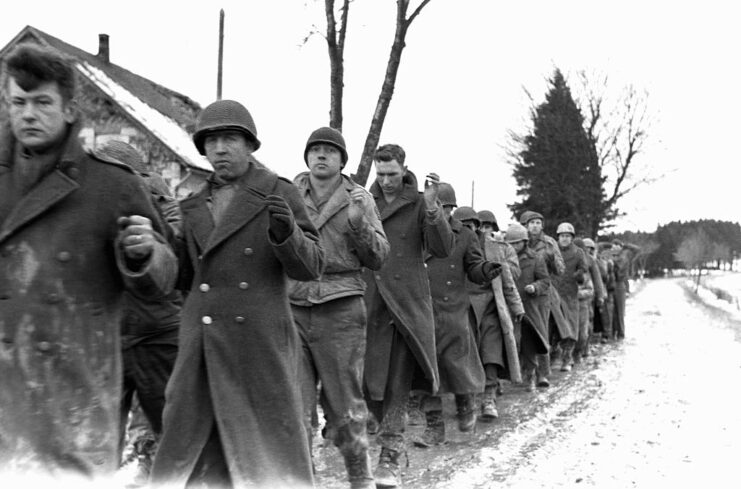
(460, 86)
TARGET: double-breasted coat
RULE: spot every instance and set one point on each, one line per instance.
(62, 278)
(461, 371)
(237, 366)
(402, 285)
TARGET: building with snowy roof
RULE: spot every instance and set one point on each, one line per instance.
(118, 104)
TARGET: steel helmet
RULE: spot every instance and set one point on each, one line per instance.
(488, 216)
(466, 213)
(327, 135)
(446, 194)
(223, 115)
(565, 227)
(528, 216)
(589, 243)
(516, 232)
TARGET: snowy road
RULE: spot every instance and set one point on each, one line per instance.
(661, 408)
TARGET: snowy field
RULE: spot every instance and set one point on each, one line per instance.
(728, 285)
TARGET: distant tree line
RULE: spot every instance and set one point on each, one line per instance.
(691, 245)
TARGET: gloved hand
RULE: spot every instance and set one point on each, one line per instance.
(579, 277)
(491, 270)
(281, 218)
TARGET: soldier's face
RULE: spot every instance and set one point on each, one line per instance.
(448, 210)
(39, 118)
(229, 153)
(325, 161)
(565, 239)
(535, 226)
(486, 228)
(390, 176)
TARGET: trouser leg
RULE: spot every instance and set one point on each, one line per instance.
(401, 373)
(619, 319)
(211, 469)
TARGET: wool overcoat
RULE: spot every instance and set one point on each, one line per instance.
(567, 286)
(547, 247)
(62, 279)
(237, 366)
(461, 371)
(534, 272)
(402, 284)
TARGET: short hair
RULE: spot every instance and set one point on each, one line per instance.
(31, 65)
(389, 152)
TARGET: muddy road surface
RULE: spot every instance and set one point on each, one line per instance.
(662, 407)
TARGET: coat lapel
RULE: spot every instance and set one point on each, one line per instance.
(196, 213)
(248, 202)
(339, 200)
(50, 190)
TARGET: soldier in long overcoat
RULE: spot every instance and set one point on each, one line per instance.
(461, 371)
(69, 224)
(558, 326)
(401, 332)
(233, 413)
(532, 285)
(567, 285)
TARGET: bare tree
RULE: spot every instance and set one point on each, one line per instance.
(694, 252)
(336, 47)
(387, 89)
(619, 129)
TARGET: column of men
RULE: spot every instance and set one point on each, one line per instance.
(280, 293)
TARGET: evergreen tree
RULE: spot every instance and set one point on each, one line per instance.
(557, 170)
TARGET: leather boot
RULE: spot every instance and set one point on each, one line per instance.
(359, 471)
(566, 359)
(415, 416)
(466, 414)
(434, 431)
(489, 405)
(388, 472)
(528, 378)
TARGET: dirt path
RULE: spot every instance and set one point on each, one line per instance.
(662, 407)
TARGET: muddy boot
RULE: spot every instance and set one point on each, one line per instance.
(466, 414)
(489, 405)
(388, 472)
(528, 378)
(415, 416)
(371, 426)
(566, 359)
(434, 431)
(359, 471)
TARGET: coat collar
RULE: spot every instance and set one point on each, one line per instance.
(338, 201)
(249, 199)
(409, 195)
(51, 189)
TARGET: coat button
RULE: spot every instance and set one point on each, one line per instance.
(204, 287)
(452, 266)
(73, 173)
(244, 285)
(448, 283)
(397, 276)
(378, 277)
(399, 255)
(445, 299)
(64, 256)
(43, 346)
(53, 298)
(207, 320)
(239, 319)
(248, 251)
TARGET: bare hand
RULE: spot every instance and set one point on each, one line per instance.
(136, 236)
(356, 209)
(530, 289)
(432, 187)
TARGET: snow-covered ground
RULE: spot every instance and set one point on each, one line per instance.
(729, 282)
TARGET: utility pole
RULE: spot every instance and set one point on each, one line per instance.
(221, 54)
(473, 183)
